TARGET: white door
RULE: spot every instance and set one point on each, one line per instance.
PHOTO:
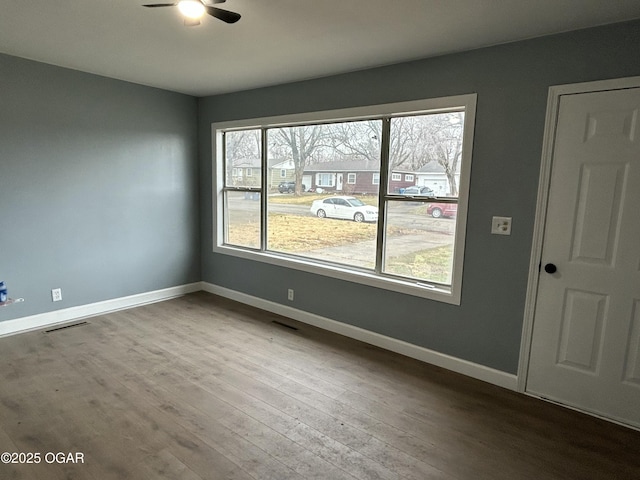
(585, 349)
(307, 182)
(339, 182)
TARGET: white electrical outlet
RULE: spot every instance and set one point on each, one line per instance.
(56, 294)
(290, 294)
(501, 226)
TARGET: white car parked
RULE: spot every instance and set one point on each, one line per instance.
(350, 208)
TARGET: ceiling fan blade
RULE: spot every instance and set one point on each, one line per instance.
(154, 5)
(224, 15)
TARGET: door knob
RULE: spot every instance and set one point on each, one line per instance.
(550, 268)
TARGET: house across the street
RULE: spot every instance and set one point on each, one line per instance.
(432, 175)
(353, 177)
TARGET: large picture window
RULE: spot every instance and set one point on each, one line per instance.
(325, 179)
(341, 211)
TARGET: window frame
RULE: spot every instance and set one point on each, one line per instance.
(352, 178)
(452, 295)
(323, 176)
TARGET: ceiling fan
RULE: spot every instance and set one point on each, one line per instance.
(192, 10)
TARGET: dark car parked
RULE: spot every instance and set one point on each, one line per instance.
(289, 187)
(415, 190)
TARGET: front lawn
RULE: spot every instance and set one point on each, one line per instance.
(434, 264)
(294, 233)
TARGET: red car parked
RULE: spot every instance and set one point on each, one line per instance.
(437, 210)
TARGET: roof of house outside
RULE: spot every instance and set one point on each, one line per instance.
(257, 163)
(434, 167)
(349, 166)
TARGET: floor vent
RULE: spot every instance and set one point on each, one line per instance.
(64, 327)
(284, 325)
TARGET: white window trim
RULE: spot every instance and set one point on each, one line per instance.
(408, 177)
(375, 179)
(283, 173)
(352, 178)
(407, 286)
(396, 177)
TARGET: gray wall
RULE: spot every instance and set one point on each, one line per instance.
(512, 83)
(101, 192)
(98, 187)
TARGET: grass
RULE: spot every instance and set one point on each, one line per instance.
(433, 264)
(293, 233)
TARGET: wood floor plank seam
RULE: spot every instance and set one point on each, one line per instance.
(236, 352)
(94, 360)
(200, 387)
(194, 361)
(168, 408)
(261, 400)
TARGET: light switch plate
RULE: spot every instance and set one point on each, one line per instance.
(501, 226)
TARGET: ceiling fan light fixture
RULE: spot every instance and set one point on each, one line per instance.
(191, 8)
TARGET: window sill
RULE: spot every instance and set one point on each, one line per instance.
(405, 286)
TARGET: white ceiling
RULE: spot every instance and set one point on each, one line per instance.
(276, 41)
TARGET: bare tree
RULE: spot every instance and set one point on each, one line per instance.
(242, 150)
(301, 143)
(242, 145)
(414, 141)
(418, 140)
(405, 146)
(360, 140)
(443, 141)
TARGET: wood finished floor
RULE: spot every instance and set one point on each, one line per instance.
(204, 388)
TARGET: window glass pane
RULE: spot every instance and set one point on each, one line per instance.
(331, 212)
(243, 158)
(242, 217)
(419, 243)
(319, 185)
(428, 149)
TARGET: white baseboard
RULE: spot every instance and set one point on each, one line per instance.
(35, 322)
(474, 370)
